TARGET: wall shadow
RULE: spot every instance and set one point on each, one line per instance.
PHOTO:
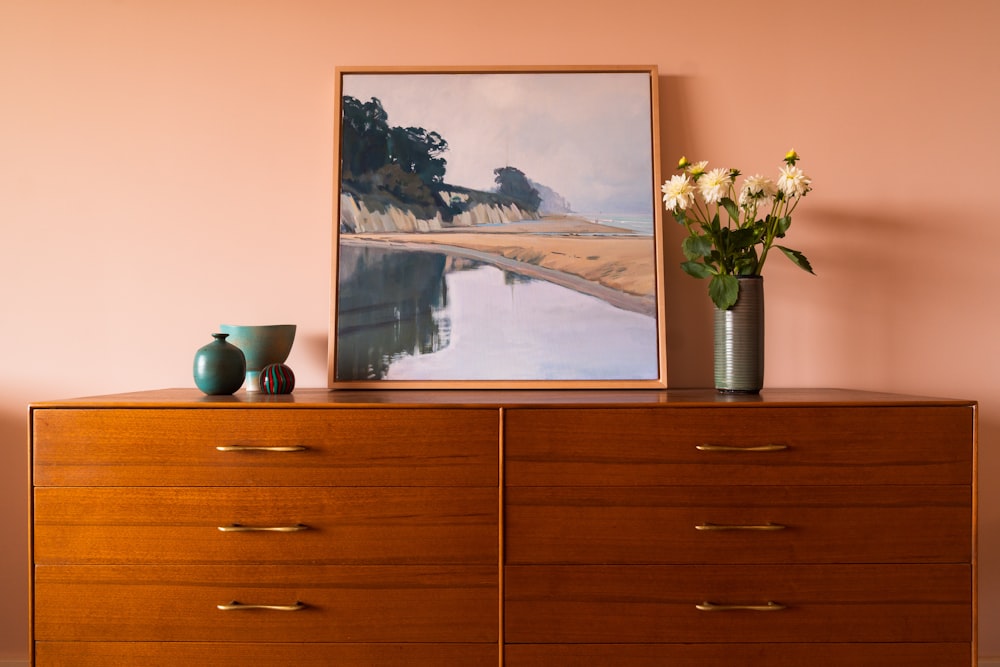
(688, 308)
(14, 562)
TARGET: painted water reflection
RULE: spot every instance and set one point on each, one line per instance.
(442, 318)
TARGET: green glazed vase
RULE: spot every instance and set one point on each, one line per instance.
(219, 367)
(739, 340)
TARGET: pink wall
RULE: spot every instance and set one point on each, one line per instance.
(155, 153)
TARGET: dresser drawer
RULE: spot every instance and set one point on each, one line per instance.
(382, 525)
(324, 603)
(658, 604)
(739, 524)
(738, 655)
(738, 445)
(181, 447)
(171, 654)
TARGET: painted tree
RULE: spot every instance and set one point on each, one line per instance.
(511, 182)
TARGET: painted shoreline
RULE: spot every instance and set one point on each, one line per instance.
(617, 267)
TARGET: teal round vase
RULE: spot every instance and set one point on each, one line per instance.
(219, 367)
(739, 340)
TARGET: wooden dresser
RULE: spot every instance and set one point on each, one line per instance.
(626, 528)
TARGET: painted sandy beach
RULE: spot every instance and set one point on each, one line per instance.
(607, 262)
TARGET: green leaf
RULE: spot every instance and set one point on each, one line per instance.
(722, 240)
(782, 224)
(797, 258)
(696, 269)
(741, 240)
(724, 291)
(731, 208)
(747, 265)
(696, 247)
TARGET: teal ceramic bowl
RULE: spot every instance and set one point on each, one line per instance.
(261, 344)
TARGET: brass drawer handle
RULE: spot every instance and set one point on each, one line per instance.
(261, 448)
(768, 606)
(240, 528)
(734, 448)
(239, 606)
(722, 526)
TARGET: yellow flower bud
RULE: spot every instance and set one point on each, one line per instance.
(791, 156)
(683, 163)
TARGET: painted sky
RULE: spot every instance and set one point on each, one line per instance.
(585, 135)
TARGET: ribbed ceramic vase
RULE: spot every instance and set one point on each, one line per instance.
(739, 340)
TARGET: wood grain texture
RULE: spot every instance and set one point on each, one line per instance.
(648, 447)
(822, 524)
(342, 604)
(742, 655)
(126, 447)
(825, 603)
(345, 525)
(460, 399)
(171, 654)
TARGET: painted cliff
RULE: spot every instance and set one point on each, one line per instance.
(356, 217)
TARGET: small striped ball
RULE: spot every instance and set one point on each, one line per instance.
(276, 379)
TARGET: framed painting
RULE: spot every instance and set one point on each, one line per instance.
(497, 228)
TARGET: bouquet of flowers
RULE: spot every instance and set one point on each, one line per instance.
(761, 212)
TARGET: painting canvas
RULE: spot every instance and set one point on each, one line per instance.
(497, 228)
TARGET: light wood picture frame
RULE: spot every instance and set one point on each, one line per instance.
(497, 228)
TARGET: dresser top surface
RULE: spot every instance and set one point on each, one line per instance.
(455, 398)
